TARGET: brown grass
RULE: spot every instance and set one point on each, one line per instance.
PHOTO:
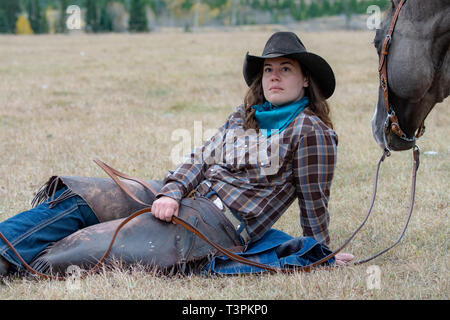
(67, 99)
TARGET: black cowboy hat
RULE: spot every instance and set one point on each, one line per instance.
(287, 44)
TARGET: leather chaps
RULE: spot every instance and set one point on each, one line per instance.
(145, 240)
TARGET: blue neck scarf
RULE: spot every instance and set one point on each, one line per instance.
(277, 118)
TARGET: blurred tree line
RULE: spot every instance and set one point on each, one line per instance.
(50, 16)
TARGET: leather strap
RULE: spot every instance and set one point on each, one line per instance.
(416, 158)
(237, 258)
(382, 70)
(111, 172)
(384, 53)
(228, 253)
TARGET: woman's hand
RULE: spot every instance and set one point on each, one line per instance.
(342, 259)
(164, 208)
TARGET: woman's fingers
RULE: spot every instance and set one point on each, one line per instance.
(168, 213)
(164, 208)
(343, 258)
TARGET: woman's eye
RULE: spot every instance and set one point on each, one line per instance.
(284, 69)
(267, 69)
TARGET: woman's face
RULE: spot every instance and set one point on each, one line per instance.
(283, 81)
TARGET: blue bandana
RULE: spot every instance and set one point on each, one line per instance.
(271, 117)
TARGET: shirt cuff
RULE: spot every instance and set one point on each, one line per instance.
(173, 190)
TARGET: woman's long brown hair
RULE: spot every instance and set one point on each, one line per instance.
(255, 95)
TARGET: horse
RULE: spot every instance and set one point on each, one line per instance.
(417, 69)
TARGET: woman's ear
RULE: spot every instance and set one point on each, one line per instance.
(306, 83)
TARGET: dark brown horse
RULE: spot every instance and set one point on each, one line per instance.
(418, 68)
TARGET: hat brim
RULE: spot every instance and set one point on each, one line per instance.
(320, 69)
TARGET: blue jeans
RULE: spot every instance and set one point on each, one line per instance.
(32, 231)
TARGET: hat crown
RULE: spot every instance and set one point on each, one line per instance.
(284, 43)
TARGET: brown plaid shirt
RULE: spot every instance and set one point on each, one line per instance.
(260, 177)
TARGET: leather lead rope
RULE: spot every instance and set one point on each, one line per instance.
(27, 266)
(243, 260)
(112, 173)
(416, 157)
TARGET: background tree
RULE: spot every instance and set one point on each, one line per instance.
(314, 10)
(135, 15)
(138, 17)
(4, 25)
(11, 10)
(61, 20)
(92, 19)
(23, 25)
(303, 10)
(106, 20)
(37, 16)
(118, 14)
(326, 8)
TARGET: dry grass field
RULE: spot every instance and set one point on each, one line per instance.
(67, 99)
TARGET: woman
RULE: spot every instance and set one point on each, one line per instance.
(284, 114)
